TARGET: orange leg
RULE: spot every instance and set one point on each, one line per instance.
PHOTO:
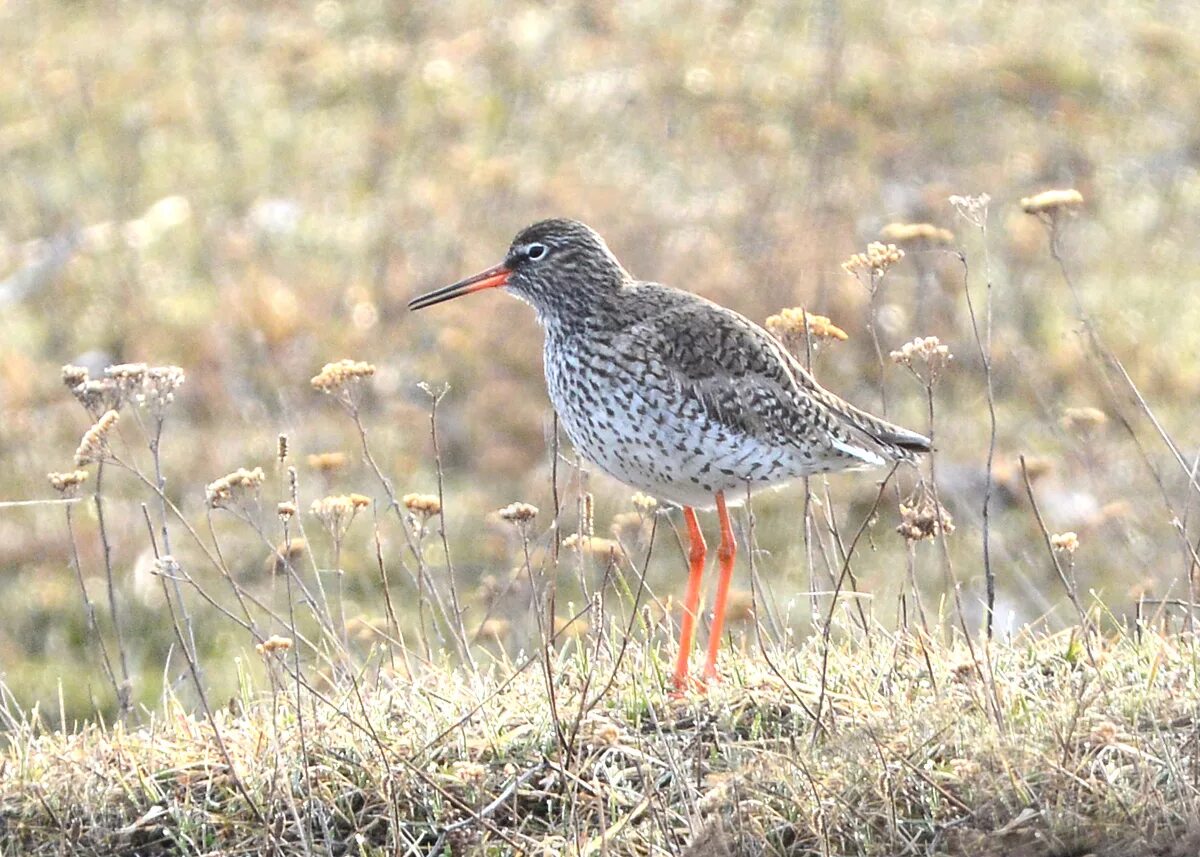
(726, 554)
(697, 553)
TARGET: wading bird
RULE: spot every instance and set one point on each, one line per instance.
(676, 396)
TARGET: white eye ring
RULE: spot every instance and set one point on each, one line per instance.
(535, 251)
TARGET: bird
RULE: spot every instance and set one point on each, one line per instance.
(676, 396)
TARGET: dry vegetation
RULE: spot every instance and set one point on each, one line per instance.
(204, 205)
(1043, 745)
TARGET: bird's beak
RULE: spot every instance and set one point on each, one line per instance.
(489, 279)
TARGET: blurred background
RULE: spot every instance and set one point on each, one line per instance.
(250, 192)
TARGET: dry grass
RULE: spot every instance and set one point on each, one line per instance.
(1035, 748)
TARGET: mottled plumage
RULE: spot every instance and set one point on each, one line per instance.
(671, 393)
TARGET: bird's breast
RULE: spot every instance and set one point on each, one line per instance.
(628, 415)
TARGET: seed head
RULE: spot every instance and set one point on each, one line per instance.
(150, 387)
(343, 380)
(95, 396)
(94, 445)
(424, 505)
(337, 512)
(73, 376)
(1049, 203)
(286, 511)
(973, 209)
(596, 546)
(328, 462)
(917, 235)
(921, 517)
(67, 483)
(234, 488)
(644, 503)
(274, 644)
(794, 327)
(518, 513)
(1065, 542)
(926, 351)
(166, 566)
(870, 266)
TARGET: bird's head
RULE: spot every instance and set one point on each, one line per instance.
(560, 267)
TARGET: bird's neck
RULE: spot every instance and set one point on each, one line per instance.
(582, 312)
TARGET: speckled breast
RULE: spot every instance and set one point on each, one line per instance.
(635, 421)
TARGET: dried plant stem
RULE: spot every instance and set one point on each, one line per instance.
(458, 630)
(944, 545)
(387, 597)
(547, 651)
(826, 631)
(89, 609)
(984, 344)
(755, 590)
(423, 579)
(106, 551)
(1067, 582)
(1111, 361)
(160, 482)
(198, 683)
(291, 601)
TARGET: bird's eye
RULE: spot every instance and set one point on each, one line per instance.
(535, 251)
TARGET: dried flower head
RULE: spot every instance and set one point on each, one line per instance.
(234, 488)
(150, 387)
(343, 380)
(127, 376)
(328, 462)
(869, 267)
(596, 546)
(360, 501)
(1065, 542)
(920, 235)
(94, 445)
(922, 517)
(973, 209)
(926, 351)
(644, 504)
(795, 327)
(1083, 419)
(158, 388)
(274, 644)
(73, 376)
(336, 513)
(95, 396)
(166, 566)
(68, 483)
(518, 513)
(424, 505)
(286, 511)
(1049, 203)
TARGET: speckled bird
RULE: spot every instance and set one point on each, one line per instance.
(675, 395)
